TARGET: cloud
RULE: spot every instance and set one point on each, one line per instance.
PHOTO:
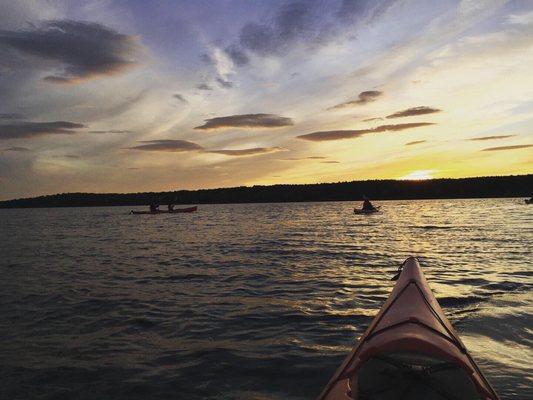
(364, 98)
(301, 22)
(112, 131)
(303, 158)
(248, 152)
(11, 116)
(180, 98)
(204, 86)
(86, 50)
(415, 142)
(330, 162)
(373, 119)
(491, 137)
(17, 148)
(519, 146)
(225, 84)
(246, 121)
(414, 111)
(167, 145)
(25, 130)
(237, 55)
(350, 134)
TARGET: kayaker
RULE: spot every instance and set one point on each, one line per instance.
(154, 207)
(170, 207)
(367, 205)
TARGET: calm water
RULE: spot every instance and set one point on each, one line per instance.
(247, 301)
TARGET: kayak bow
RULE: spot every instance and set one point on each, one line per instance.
(409, 351)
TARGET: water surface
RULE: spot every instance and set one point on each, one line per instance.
(253, 301)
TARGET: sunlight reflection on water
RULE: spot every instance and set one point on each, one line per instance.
(253, 301)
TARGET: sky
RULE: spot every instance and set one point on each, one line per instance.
(131, 96)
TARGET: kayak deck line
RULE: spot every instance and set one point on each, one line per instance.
(409, 325)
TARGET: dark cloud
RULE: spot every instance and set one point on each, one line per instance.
(17, 148)
(363, 98)
(238, 56)
(11, 116)
(350, 134)
(112, 131)
(302, 22)
(247, 152)
(246, 121)
(330, 162)
(415, 142)
(519, 146)
(203, 86)
(86, 50)
(414, 111)
(225, 84)
(180, 98)
(168, 145)
(24, 130)
(373, 119)
(491, 137)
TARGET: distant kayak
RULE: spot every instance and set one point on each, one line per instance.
(361, 211)
(175, 211)
(409, 351)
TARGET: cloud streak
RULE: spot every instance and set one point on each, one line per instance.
(167, 145)
(415, 142)
(85, 50)
(410, 112)
(350, 134)
(26, 130)
(515, 147)
(246, 121)
(482, 138)
(363, 98)
(247, 152)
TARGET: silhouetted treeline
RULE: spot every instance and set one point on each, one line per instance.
(504, 186)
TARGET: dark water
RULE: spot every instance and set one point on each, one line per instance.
(247, 301)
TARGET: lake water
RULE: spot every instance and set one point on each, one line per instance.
(253, 301)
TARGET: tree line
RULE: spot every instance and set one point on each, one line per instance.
(500, 186)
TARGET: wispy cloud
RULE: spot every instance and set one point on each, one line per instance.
(350, 134)
(25, 130)
(246, 121)
(17, 148)
(248, 152)
(330, 162)
(303, 158)
(113, 131)
(224, 84)
(515, 147)
(363, 98)
(167, 145)
(415, 142)
(373, 119)
(204, 86)
(414, 111)
(180, 98)
(85, 49)
(301, 22)
(481, 138)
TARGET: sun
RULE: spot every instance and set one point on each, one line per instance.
(419, 175)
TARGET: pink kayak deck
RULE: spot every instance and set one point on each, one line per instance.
(411, 320)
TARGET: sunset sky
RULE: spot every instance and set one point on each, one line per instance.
(120, 96)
